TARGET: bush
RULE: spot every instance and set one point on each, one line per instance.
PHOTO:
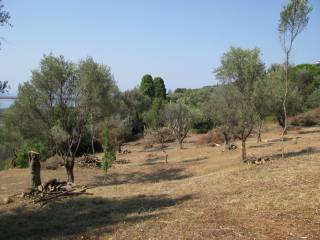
(201, 123)
(313, 99)
(161, 135)
(202, 126)
(307, 119)
(22, 160)
(6, 164)
(213, 136)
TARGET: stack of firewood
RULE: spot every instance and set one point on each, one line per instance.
(89, 161)
(51, 190)
(121, 161)
(257, 160)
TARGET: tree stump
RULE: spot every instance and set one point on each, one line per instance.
(35, 167)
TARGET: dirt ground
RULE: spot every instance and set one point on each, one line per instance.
(202, 193)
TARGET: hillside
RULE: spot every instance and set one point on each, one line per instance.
(202, 193)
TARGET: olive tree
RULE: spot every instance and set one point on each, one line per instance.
(238, 72)
(50, 109)
(294, 18)
(179, 120)
(99, 93)
(154, 120)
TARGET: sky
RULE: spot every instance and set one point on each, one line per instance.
(180, 40)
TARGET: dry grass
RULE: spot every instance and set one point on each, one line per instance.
(202, 193)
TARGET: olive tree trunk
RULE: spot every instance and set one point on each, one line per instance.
(244, 152)
(226, 141)
(35, 167)
(69, 168)
(259, 139)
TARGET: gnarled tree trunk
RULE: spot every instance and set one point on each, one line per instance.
(180, 145)
(69, 168)
(227, 139)
(35, 167)
(244, 152)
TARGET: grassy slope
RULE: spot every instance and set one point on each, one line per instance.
(202, 193)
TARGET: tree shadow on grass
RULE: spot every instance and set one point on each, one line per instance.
(262, 145)
(197, 159)
(154, 159)
(82, 217)
(158, 149)
(308, 131)
(163, 174)
(305, 151)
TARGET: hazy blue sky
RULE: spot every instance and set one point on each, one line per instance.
(180, 40)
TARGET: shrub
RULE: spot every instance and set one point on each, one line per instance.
(6, 164)
(202, 126)
(22, 160)
(213, 136)
(307, 119)
(201, 123)
(161, 135)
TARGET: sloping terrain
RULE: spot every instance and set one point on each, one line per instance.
(202, 193)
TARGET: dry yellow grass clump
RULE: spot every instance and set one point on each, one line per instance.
(202, 193)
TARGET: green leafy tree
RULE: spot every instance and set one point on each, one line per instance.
(294, 18)
(274, 93)
(154, 118)
(262, 104)
(159, 88)
(239, 70)
(99, 94)
(132, 105)
(49, 109)
(22, 160)
(119, 130)
(306, 77)
(147, 86)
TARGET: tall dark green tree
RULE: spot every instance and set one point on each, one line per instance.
(147, 85)
(160, 90)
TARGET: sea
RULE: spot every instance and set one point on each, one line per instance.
(5, 103)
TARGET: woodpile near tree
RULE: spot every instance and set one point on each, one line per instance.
(257, 160)
(89, 161)
(51, 190)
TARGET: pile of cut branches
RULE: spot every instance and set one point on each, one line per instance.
(89, 161)
(257, 160)
(53, 189)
